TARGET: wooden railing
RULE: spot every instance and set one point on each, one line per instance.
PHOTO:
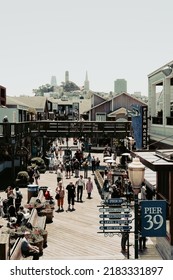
(63, 129)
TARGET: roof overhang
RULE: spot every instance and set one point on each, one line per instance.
(154, 161)
(117, 112)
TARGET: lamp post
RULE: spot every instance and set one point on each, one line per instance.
(13, 144)
(67, 138)
(136, 176)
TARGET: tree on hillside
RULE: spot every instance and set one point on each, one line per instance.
(70, 86)
(43, 89)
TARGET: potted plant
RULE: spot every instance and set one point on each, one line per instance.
(48, 212)
(12, 236)
(36, 239)
(39, 162)
(43, 233)
(22, 178)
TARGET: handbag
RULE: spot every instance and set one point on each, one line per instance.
(57, 196)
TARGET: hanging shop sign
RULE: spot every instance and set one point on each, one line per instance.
(121, 228)
(116, 209)
(117, 216)
(114, 201)
(116, 222)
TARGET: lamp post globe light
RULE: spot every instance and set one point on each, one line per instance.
(136, 172)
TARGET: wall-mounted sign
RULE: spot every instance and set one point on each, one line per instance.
(153, 218)
(144, 127)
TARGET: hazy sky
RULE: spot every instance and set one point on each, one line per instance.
(110, 39)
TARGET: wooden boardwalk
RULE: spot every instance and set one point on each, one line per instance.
(74, 235)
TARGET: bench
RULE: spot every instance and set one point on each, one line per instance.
(16, 253)
(99, 180)
(36, 221)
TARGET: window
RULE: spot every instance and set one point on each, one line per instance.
(101, 117)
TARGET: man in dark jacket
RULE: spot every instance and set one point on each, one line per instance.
(71, 189)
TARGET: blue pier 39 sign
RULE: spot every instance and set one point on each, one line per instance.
(153, 218)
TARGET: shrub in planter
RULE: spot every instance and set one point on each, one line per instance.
(43, 233)
(39, 162)
(36, 239)
(48, 212)
(22, 178)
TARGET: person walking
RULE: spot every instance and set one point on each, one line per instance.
(60, 152)
(51, 163)
(97, 163)
(115, 191)
(18, 198)
(60, 193)
(71, 189)
(68, 169)
(80, 183)
(76, 166)
(56, 164)
(85, 168)
(93, 164)
(31, 174)
(106, 189)
(47, 195)
(10, 196)
(124, 241)
(89, 187)
(36, 175)
(142, 239)
(59, 175)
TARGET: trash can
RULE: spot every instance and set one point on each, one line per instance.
(32, 191)
(43, 188)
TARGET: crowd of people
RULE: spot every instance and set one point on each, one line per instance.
(12, 208)
(74, 192)
(74, 166)
(73, 179)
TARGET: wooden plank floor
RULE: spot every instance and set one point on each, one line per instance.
(74, 235)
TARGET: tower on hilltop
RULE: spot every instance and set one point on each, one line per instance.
(66, 77)
(86, 83)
